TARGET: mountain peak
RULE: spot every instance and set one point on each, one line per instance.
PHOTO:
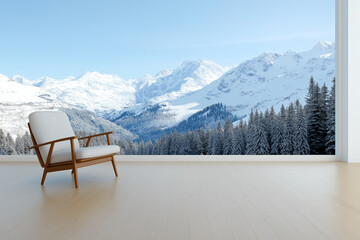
(21, 79)
(269, 57)
(69, 78)
(91, 74)
(96, 78)
(196, 63)
(324, 45)
(190, 63)
(163, 73)
(43, 81)
(192, 68)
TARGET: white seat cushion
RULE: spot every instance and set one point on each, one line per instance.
(86, 152)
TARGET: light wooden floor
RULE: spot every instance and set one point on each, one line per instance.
(182, 201)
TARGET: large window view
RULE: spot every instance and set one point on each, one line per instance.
(173, 77)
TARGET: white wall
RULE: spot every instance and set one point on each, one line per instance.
(348, 38)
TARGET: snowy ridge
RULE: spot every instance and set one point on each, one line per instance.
(17, 101)
(106, 91)
(164, 100)
(189, 77)
(110, 92)
(270, 79)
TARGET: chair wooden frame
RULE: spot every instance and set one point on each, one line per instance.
(74, 164)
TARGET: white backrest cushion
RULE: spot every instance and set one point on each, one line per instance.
(51, 125)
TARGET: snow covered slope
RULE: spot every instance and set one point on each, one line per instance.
(17, 101)
(153, 110)
(189, 77)
(92, 91)
(162, 101)
(268, 80)
(104, 92)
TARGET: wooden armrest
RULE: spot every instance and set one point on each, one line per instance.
(95, 135)
(54, 141)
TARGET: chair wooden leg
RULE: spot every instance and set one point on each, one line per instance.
(114, 166)
(43, 177)
(72, 171)
(74, 162)
(75, 177)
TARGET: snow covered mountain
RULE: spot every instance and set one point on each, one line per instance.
(271, 79)
(154, 93)
(18, 100)
(268, 80)
(189, 77)
(110, 92)
(91, 91)
(153, 103)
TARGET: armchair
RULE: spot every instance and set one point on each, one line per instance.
(55, 142)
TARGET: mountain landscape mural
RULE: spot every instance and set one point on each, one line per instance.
(265, 105)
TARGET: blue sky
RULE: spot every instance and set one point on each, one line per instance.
(132, 38)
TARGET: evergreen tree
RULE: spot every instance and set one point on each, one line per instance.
(277, 132)
(330, 137)
(27, 143)
(195, 143)
(148, 147)
(250, 141)
(310, 97)
(175, 143)
(243, 127)
(2, 143)
(315, 123)
(218, 141)
(163, 145)
(228, 137)
(211, 141)
(141, 148)
(282, 115)
(260, 138)
(9, 145)
(301, 138)
(267, 122)
(239, 141)
(323, 102)
(272, 119)
(236, 148)
(287, 146)
(204, 141)
(19, 145)
(131, 149)
(156, 147)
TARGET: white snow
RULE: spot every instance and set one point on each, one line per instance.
(92, 91)
(17, 101)
(270, 79)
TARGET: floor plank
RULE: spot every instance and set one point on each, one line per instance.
(183, 201)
